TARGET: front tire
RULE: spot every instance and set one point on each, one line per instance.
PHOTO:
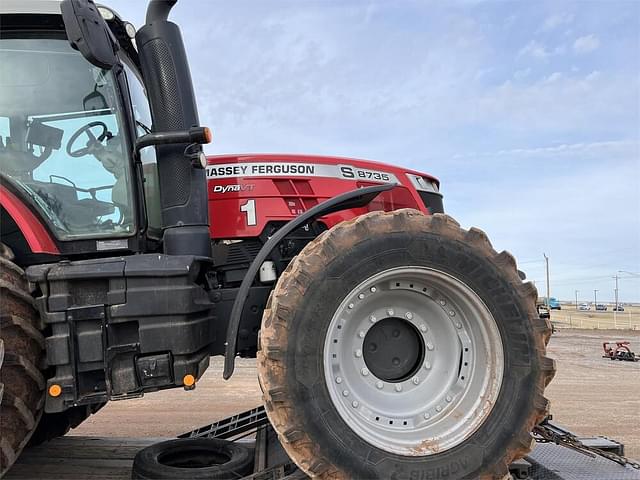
(366, 373)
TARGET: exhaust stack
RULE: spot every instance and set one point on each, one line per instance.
(183, 188)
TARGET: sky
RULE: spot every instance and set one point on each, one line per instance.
(527, 112)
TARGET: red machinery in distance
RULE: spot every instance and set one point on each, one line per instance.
(621, 351)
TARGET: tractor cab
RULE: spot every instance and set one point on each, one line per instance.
(64, 141)
(73, 113)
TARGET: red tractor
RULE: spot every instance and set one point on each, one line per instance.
(390, 341)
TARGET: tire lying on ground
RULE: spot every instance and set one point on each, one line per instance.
(398, 345)
(21, 357)
(193, 458)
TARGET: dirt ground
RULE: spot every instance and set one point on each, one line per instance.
(590, 395)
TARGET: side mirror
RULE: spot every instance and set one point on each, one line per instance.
(88, 33)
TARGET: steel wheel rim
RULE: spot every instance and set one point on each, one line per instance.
(456, 385)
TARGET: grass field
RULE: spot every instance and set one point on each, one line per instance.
(570, 317)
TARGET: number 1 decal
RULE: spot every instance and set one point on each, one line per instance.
(250, 209)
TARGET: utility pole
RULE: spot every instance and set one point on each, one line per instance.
(595, 298)
(615, 305)
(546, 260)
(577, 291)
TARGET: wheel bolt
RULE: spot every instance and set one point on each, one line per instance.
(427, 365)
(429, 346)
(373, 289)
(338, 379)
(358, 353)
(423, 328)
(361, 334)
(409, 315)
(380, 385)
(416, 380)
(345, 393)
(354, 404)
(364, 372)
(361, 296)
(390, 312)
(398, 387)
(372, 319)
(438, 408)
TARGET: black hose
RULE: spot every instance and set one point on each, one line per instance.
(158, 10)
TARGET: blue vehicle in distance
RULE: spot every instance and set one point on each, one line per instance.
(554, 304)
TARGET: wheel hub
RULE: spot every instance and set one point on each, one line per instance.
(413, 361)
(393, 349)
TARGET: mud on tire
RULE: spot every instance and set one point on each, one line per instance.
(294, 357)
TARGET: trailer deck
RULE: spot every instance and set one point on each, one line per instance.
(101, 458)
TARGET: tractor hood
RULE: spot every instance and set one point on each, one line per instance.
(249, 192)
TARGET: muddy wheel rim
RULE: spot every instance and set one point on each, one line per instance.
(445, 347)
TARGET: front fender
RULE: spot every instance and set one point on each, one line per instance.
(353, 199)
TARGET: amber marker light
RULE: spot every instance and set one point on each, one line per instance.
(55, 390)
(189, 380)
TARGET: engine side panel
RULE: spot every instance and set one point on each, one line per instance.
(247, 193)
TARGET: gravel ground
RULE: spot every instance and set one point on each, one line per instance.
(590, 395)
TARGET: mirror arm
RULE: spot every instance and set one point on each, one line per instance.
(197, 135)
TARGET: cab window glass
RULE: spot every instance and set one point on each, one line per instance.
(61, 143)
(142, 114)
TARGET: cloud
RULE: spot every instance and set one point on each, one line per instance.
(534, 49)
(586, 44)
(554, 21)
(607, 147)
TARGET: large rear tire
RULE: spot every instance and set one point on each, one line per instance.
(21, 359)
(398, 345)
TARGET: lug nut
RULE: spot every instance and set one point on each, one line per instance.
(361, 334)
(350, 306)
(380, 385)
(358, 353)
(448, 398)
(361, 296)
(338, 379)
(345, 393)
(408, 315)
(427, 416)
(354, 404)
(429, 346)
(390, 312)
(372, 319)
(364, 372)
(458, 325)
(398, 387)
(443, 303)
(438, 408)
(415, 380)
(452, 313)
(373, 289)
(423, 328)
(427, 365)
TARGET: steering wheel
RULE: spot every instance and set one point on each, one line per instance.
(92, 143)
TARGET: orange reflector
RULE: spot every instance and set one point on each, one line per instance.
(189, 380)
(55, 390)
(208, 136)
